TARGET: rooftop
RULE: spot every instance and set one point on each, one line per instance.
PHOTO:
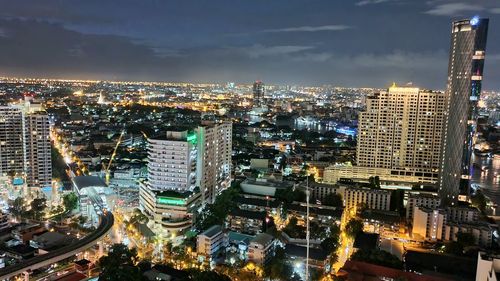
(88, 181)
(212, 231)
(262, 239)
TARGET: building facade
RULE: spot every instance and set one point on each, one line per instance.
(261, 248)
(401, 130)
(258, 93)
(465, 74)
(209, 242)
(185, 169)
(25, 144)
(214, 159)
(373, 198)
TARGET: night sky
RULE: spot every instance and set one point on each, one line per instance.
(359, 43)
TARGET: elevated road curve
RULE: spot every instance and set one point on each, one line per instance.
(106, 222)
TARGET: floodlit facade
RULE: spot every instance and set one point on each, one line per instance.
(185, 169)
(465, 74)
(25, 144)
(214, 159)
(374, 198)
(401, 130)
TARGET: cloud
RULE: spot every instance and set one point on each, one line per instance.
(495, 11)
(369, 2)
(335, 27)
(453, 9)
(257, 51)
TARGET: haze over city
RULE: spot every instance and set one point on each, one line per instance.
(365, 43)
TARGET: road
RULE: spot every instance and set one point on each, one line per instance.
(106, 222)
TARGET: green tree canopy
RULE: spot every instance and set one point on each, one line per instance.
(120, 264)
(70, 201)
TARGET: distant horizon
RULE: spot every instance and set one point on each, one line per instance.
(283, 42)
(217, 83)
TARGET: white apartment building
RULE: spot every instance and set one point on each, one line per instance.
(462, 214)
(428, 224)
(209, 242)
(172, 162)
(25, 143)
(185, 169)
(488, 266)
(214, 160)
(261, 248)
(427, 200)
(373, 198)
(399, 137)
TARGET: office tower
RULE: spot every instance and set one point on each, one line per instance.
(400, 130)
(185, 169)
(214, 161)
(25, 144)
(258, 93)
(465, 73)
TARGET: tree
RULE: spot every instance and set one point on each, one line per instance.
(479, 201)
(353, 227)
(333, 199)
(17, 208)
(378, 257)
(277, 268)
(38, 206)
(70, 201)
(196, 275)
(120, 264)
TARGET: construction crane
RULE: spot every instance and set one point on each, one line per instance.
(107, 172)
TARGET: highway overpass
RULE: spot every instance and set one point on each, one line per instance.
(106, 222)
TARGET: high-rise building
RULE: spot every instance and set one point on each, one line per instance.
(25, 144)
(400, 130)
(186, 169)
(258, 93)
(214, 161)
(465, 73)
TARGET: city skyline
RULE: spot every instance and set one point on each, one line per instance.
(333, 41)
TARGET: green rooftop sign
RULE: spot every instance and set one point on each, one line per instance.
(171, 201)
(191, 138)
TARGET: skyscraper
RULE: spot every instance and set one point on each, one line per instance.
(401, 130)
(258, 93)
(214, 161)
(186, 169)
(25, 143)
(465, 73)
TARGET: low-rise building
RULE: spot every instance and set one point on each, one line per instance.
(481, 231)
(428, 200)
(488, 267)
(245, 221)
(377, 199)
(210, 241)
(261, 248)
(428, 224)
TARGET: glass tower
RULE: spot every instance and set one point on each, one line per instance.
(465, 73)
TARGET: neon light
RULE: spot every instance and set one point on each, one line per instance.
(192, 138)
(474, 21)
(171, 201)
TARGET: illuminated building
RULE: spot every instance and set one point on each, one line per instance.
(465, 73)
(373, 198)
(186, 169)
(214, 159)
(401, 130)
(25, 143)
(399, 138)
(169, 195)
(258, 93)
